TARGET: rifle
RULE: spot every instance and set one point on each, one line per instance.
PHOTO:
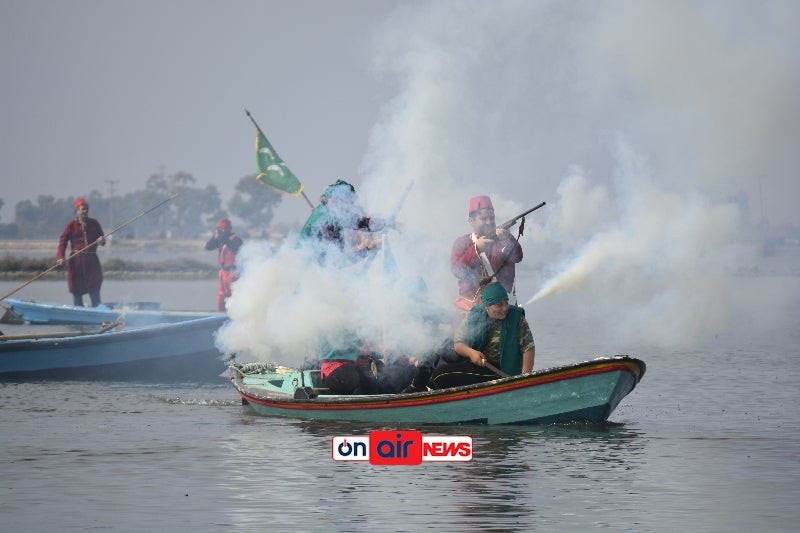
(492, 274)
(507, 224)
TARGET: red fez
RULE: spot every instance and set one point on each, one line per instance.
(480, 202)
(79, 202)
(224, 223)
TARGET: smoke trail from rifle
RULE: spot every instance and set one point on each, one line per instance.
(658, 264)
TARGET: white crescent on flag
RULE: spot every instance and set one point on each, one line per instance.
(276, 168)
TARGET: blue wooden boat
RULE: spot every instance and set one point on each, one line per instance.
(53, 313)
(179, 352)
(587, 391)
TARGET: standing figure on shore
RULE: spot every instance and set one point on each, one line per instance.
(84, 273)
(227, 245)
(487, 254)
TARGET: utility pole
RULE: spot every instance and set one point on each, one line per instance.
(111, 184)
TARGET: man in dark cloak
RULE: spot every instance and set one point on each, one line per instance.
(84, 273)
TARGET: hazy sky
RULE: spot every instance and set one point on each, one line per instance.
(658, 133)
(97, 90)
(510, 98)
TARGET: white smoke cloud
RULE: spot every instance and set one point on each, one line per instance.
(660, 264)
(636, 122)
(285, 302)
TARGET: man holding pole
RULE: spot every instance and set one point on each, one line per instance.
(84, 273)
(78, 251)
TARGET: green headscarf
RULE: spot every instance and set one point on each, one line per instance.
(341, 190)
(493, 294)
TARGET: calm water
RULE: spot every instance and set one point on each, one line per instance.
(709, 441)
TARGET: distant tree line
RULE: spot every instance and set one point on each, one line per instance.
(190, 215)
(23, 268)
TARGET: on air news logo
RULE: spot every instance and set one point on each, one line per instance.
(401, 448)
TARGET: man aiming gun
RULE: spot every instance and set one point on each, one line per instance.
(489, 253)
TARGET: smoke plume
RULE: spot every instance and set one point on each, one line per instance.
(647, 128)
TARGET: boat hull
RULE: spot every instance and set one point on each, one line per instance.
(588, 391)
(58, 314)
(182, 351)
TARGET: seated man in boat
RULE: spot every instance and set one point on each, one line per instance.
(424, 367)
(494, 333)
(348, 367)
(415, 353)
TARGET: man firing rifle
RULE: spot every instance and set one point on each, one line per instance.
(490, 252)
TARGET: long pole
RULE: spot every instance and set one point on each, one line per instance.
(78, 252)
(262, 133)
(390, 222)
(111, 184)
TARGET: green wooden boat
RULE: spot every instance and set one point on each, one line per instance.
(587, 391)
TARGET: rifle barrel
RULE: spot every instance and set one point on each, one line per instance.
(513, 221)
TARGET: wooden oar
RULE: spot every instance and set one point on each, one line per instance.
(496, 370)
(78, 252)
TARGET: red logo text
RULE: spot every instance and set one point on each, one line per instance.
(401, 448)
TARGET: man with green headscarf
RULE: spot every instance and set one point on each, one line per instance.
(337, 230)
(492, 332)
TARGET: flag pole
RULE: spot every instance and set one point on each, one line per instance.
(78, 252)
(262, 133)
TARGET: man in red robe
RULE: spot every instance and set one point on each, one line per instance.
(227, 244)
(84, 273)
(488, 252)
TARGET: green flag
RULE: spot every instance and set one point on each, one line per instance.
(272, 170)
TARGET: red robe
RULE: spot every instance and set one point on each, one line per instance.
(227, 247)
(467, 267)
(84, 274)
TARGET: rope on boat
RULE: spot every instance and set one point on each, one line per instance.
(262, 368)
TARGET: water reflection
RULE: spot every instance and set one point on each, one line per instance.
(521, 477)
(518, 470)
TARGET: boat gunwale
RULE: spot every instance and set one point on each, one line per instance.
(21, 343)
(52, 313)
(619, 363)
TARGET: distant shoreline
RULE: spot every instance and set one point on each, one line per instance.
(116, 275)
(39, 247)
(128, 259)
